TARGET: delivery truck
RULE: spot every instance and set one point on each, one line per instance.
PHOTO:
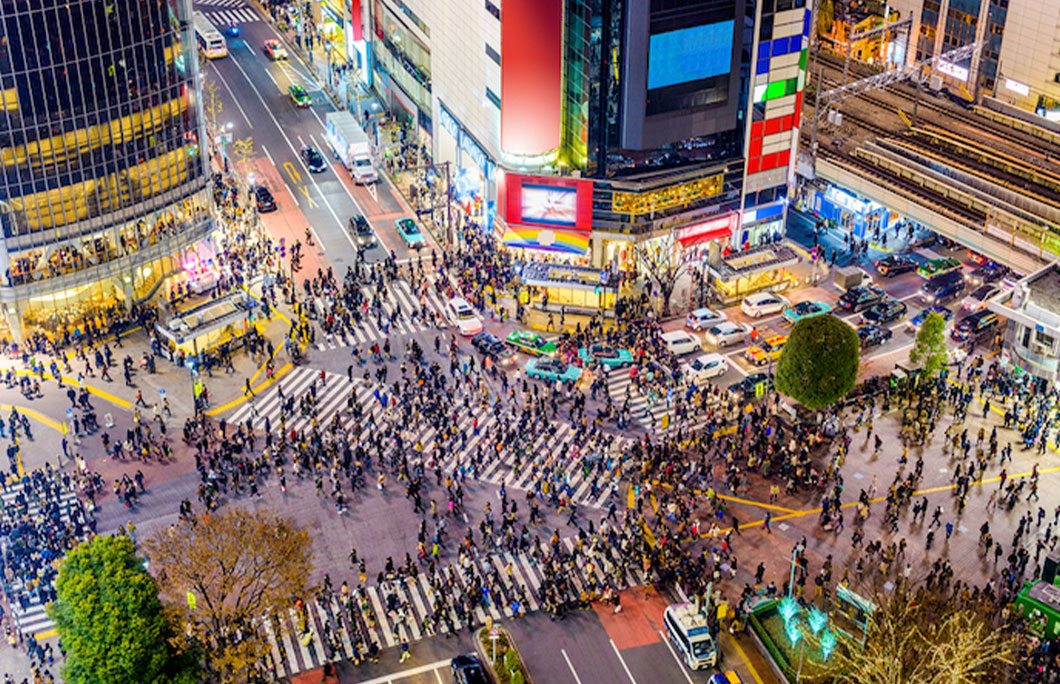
(351, 146)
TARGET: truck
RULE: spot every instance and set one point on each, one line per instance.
(351, 146)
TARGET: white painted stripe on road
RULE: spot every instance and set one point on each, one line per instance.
(574, 672)
(247, 43)
(267, 154)
(623, 661)
(233, 95)
(670, 648)
(402, 674)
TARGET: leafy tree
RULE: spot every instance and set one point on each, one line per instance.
(819, 363)
(110, 619)
(929, 350)
(926, 636)
(663, 266)
(223, 572)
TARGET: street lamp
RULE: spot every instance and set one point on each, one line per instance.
(226, 137)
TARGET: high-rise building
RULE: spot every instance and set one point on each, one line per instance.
(103, 180)
(586, 126)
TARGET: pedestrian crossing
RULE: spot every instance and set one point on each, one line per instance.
(572, 466)
(647, 407)
(400, 298)
(225, 18)
(406, 609)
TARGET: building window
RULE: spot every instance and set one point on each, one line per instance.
(493, 54)
(493, 97)
(494, 10)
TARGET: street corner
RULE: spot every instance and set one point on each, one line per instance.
(638, 622)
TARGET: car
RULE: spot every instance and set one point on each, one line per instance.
(916, 321)
(871, 334)
(987, 273)
(730, 677)
(492, 346)
(747, 387)
(530, 343)
(705, 366)
(552, 369)
(410, 233)
(859, 298)
(975, 326)
(763, 303)
(313, 160)
(885, 311)
(463, 316)
(362, 233)
(978, 258)
(937, 267)
(948, 243)
(468, 670)
(976, 301)
(681, 342)
(767, 350)
(233, 29)
(606, 354)
(890, 266)
(701, 319)
(943, 287)
(725, 333)
(274, 50)
(795, 313)
(299, 96)
(263, 198)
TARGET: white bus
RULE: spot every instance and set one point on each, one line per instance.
(211, 42)
(688, 632)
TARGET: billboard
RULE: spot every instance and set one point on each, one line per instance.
(689, 54)
(531, 76)
(548, 202)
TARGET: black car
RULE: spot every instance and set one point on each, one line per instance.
(975, 326)
(891, 266)
(361, 232)
(745, 389)
(492, 346)
(987, 273)
(468, 670)
(886, 311)
(871, 335)
(858, 298)
(263, 198)
(313, 160)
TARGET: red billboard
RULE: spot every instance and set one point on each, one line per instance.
(355, 19)
(564, 203)
(714, 229)
(531, 75)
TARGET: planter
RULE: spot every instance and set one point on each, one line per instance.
(509, 668)
(767, 627)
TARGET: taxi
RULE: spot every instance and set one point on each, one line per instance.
(607, 355)
(299, 96)
(530, 343)
(766, 350)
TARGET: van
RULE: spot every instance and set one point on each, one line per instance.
(943, 287)
(680, 342)
(688, 632)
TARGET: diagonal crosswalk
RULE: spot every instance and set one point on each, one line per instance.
(646, 406)
(207, 5)
(400, 298)
(508, 583)
(552, 453)
(223, 18)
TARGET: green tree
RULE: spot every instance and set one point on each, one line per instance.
(110, 619)
(819, 363)
(929, 350)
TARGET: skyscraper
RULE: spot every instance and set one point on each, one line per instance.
(103, 180)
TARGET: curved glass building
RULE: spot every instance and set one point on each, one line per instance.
(103, 172)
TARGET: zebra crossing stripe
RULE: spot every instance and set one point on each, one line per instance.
(380, 616)
(274, 649)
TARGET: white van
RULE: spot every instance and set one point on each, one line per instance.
(463, 317)
(681, 342)
(688, 632)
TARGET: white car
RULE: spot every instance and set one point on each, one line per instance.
(701, 319)
(725, 333)
(705, 367)
(977, 300)
(463, 317)
(681, 342)
(763, 303)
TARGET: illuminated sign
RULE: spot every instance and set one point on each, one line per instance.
(448, 121)
(551, 205)
(531, 76)
(562, 203)
(713, 229)
(664, 198)
(958, 72)
(1017, 87)
(689, 54)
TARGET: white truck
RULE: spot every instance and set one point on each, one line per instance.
(351, 146)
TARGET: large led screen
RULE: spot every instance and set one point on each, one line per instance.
(689, 54)
(550, 205)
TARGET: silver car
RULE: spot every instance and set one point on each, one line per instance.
(727, 333)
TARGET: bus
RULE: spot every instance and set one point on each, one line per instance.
(211, 42)
(688, 632)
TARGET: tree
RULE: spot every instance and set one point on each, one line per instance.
(658, 259)
(926, 636)
(243, 149)
(223, 573)
(110, 619)
(929, 350)
(819, 363)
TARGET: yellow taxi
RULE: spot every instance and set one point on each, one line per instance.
(766, 350)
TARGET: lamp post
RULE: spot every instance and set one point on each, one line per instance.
(226, 138)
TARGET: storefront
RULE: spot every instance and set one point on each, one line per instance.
(332, 27)
(576, 288)
(473, 173)
(852, 214)
(761, 225)
(734, 276)
(203, 328)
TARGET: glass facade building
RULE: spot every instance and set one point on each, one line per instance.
(103, 176)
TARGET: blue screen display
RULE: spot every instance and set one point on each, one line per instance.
(689, 54)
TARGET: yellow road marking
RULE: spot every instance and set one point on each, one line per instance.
(305, 191)
(292, 172)
(46, 634)
(743, 657)
(36, 415)
(631, 497)
(239, 400)
(104, 394)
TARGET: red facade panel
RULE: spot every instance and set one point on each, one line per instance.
(756, 129)
(531, 75)
(355, 19)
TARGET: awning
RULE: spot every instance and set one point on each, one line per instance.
(714, 229)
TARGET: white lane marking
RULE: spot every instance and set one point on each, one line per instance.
(571, 666)
(233, 95)
(266, 150)
(402, 674)
(670, 648)
(290, 145)
(250, 48)
(623, 661)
